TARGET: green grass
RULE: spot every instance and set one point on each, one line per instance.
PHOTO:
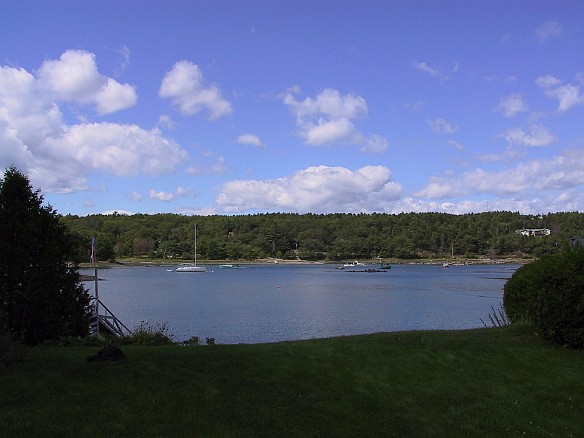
(490, 382)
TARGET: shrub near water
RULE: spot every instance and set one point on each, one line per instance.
(550, 293)
(148, 333)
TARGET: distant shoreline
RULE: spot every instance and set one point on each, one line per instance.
(273, 261)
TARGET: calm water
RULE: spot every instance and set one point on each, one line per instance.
(270, 303)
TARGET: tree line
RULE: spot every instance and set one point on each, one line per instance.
(318, 237)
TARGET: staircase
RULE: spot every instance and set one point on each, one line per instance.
(104, 321)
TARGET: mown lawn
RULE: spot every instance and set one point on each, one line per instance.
(489, 382)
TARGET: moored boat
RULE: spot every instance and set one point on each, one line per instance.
(353, 264)
(191, 267)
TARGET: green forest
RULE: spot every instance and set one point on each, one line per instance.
(329, 237)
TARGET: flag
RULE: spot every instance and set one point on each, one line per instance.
(92, 259)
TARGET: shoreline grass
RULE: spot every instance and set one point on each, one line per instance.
(483, 382)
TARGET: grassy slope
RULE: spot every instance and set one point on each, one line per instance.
(490, 382)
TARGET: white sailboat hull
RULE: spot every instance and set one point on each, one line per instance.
(189, 267)
(192, 267)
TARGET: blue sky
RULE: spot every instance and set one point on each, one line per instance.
(239, 107)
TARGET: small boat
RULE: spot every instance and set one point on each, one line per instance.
(230, 266)
(191, 267)
(445, 265)
(353, 264)
(384, 266)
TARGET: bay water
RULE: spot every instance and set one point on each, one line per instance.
(272, 303)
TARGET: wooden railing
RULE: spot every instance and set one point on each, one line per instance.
(103, 319)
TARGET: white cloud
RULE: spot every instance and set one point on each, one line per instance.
(329, 118)
(184, 191)
(568, 95)
(512, 105)
(425, 68)
(186, 88)
(531, 206)
(165, 121)
(124, 150)
(208, 163)
(219, 166)
(442, 126)
(548, 81)
(111, 212)
(547, 30)
(458, 146)
(74, 78)
(375, 144)
(249, 139)
(134, 196)
(59, 157)
(161, 196)
(125, 53)
(332, 131)
(542, 177)
(319, 189)
(536, 135)
(198, 211)
(416, 106)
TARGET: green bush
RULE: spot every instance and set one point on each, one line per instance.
(550, 293)
(148, 333)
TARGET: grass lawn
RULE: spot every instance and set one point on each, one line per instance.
(489, 382)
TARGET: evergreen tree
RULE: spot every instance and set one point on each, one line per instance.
(41, 296)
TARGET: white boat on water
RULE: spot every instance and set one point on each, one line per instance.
(191, 267)
(353, 264)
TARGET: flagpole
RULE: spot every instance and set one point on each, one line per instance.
(96, 279)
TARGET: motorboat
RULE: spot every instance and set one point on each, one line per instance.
(353, 264)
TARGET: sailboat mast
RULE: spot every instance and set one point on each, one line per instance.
(195, 244)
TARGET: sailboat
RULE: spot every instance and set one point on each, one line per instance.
(191, 267)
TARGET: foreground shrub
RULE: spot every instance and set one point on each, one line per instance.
(550, 293)
(148, 333)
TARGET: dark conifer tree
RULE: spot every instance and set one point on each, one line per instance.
(41, 296)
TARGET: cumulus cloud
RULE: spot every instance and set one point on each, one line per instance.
(512, 105)
(59, 157)
(559, 174)
(249, 139)
(319, 189)
(186, 88)
(526, 206)
(442, 126)
(547, 30)
(134, 196)
(518, 139)
(161, 196)
(425, 68)
(208, 163)
(434, 72)
(536, 135)
(74, 77)
(124, 150)
(568, 95)
(329, 119)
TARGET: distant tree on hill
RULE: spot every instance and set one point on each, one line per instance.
(41, 296)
